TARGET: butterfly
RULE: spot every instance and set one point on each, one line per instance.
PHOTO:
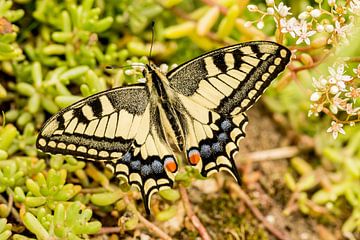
(197, 109)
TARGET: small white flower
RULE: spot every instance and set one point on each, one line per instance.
(320, 83)
(337, 76)
(270, 11)
(269, 2)
(282, 9)
(252, 8)
(335, 129)
(303, 15)
(354, 93)
(340, 30)
(357, 71)
(315, 109)
(260, 25)
(329, 28)
(315, 96)
(303, 34)
(315, 13)
(350, 110)
(338, 102)
(355, 7)
(334, 89)
(320, 28)
(289, 26)
(331, 3)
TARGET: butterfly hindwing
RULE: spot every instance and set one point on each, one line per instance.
(230, 80)
(212, 139)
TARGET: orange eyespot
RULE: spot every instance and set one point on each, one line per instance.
(170, 165)
(194, 157)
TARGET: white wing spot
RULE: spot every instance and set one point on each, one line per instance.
(236, 111)
(258, 85)
(42, 142)
(252, 93)
(277, 61)
(103, 154)
(92, 151)
(61, 145)
(283, 53)
(71, 147)
(272, 69)
(81, 149)
(265, 76)
(244, 103)
(52, 144)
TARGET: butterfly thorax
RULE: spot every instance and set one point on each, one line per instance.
(163, 101)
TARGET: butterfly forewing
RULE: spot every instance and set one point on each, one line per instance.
(100, 127)
(230, 80)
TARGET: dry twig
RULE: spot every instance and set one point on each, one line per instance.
(149, 225)
(271, 154)
(190, 213)
(243, 196)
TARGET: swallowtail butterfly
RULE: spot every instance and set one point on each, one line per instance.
(197, 108)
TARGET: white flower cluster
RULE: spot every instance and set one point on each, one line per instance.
(309, 22)
(338, 92)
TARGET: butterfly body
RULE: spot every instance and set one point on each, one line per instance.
(197, 108)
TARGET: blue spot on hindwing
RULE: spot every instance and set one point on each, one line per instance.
(127, 157)
(225, 125)
(205, 151)
(146, 170)
(135, 165)
(217, 147)
(157, 167)
(223, 137)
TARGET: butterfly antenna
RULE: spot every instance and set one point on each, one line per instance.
(152, 38)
